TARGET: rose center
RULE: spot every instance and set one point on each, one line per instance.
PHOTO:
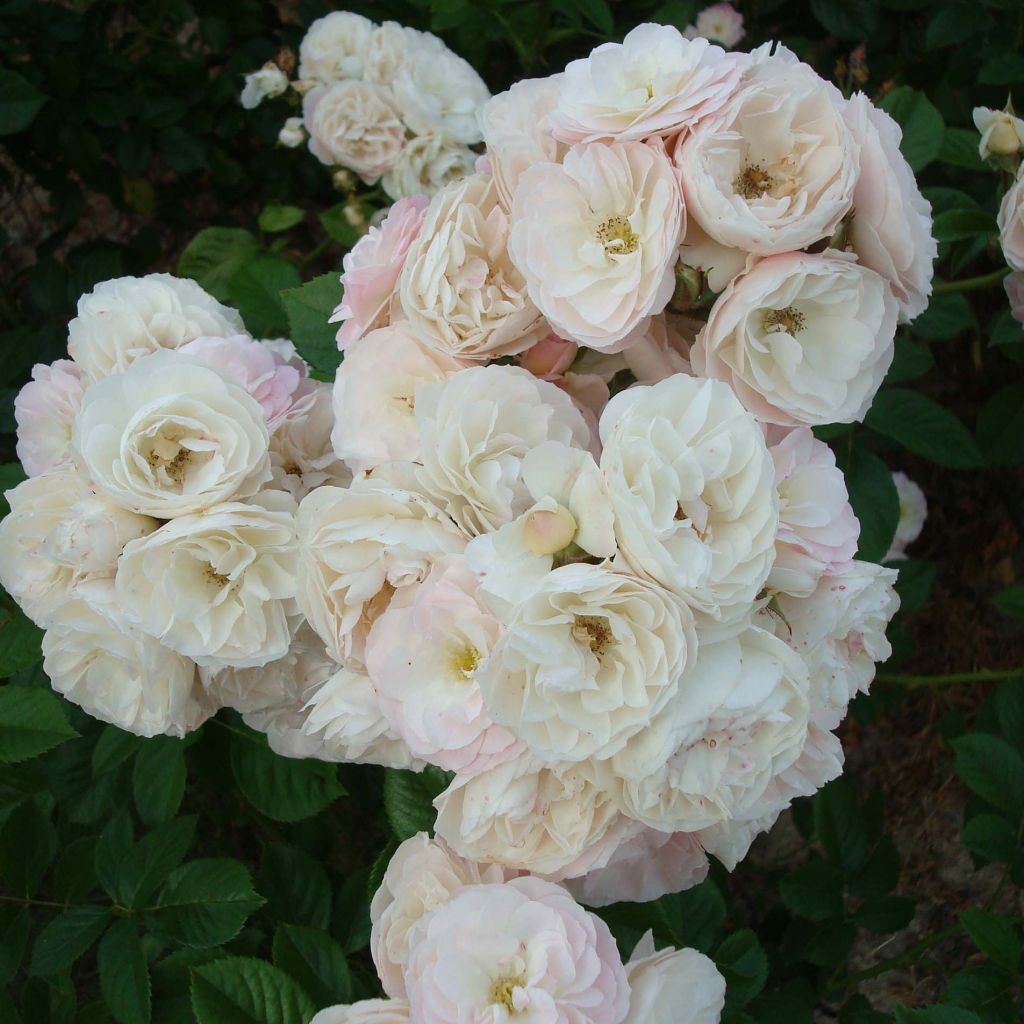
(789, 320)
(594, 631)
(753, 182)
(218, 579)
(503, 991)
(617, 237)
(464, 661)
(168, 456)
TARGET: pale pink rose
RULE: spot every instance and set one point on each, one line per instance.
(1014, 285)
(673, 986)
(891, 230)
(644, 867)
(654, 82)
(370, 272)
(266, 375)
(44, 411)
(817, 528)
(913, 513)
(522, 949)
(596, 238)
(664, 349)
(1011, 224)
(550, 357)
(719, 22)
(422, 875)
(366, 1011)
(422, 655)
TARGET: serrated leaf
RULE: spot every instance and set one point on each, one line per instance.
(814, 890)
(923, 427)
(154, 857)
(215, 255)
(995, 936)
(839, 824)
(990, 767)
(14, 927)
(744, 966)
(956, 225)
(31, 722)
(20, 642)
(1000, 427)
(960, 149)
(694, 916)
(295, 886)
(923, 126)
(67, 937)
(124, 974)
(315, 961)
(113, 748)
(240, 990)
(158, 779)
(113, 848)
(309, 309)
(947, 316)
(255, 289)
(20, 101)
(409, 800)
(910, 360)
(28, 842)
(875, 501)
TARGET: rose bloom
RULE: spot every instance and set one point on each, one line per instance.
(775, 169)
(370, 271)
(1011, 224)
(422, 875)
(746, 707)
(521, 949)
(913, 513)
(1013, 285)
(654, 82)
(390, 45)
(58, 533)
(354, 124)
(673, 986)
(170, 436)
(357, 546)
(426, 165)
(517, 129)
(720, 22)
(292, 134)
(366, 1011)
(44, 410)
(475, 430)
(802, 339)
(128, 317)
(692, 486)
(550, 357)
(459, 289)
(266, 83)
(839, 630)
(596, 238)
(334, 47)
(116, 673)
(817, 528)
(528, 815)
(1002, 134)
(439, 93)
(587, 662)
(891, 230)
(218, 587)
(423, 656)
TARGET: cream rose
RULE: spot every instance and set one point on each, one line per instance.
(266, 83)
(170, 436)
(44, 410)
(802, 339)
(218, 587)
(427, 164)
(366, 1011)
(334, 47)
(128, 317)
(913, 513)
(596, 238)
(1011, 224)
(673, 986)
(1002, 134)
(692, 486)
(459, 289)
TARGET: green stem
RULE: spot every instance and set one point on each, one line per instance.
(318, 250)
(971, 284)
(27, 901)
(981, 676)
(909, 956)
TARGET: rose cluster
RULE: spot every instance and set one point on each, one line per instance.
(389, 103)
(593, 560)
(453, 940)
(154, 540)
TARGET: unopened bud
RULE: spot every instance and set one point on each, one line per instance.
(353, 213)
(549, 531)
(343, 181)
(690, 285)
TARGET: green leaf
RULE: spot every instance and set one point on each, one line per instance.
(20, 642)
(1000, 427)
(20, 101)
(598, 13)
(113, 748)
(911, 360)
(74, 877)
(205, 903)
(875, 501)
(409, 800)
(255, 289)
(282, 788)
(983, 987)
(115, 846)
(885, 915)
(315, 961)
(923, 127)
(154, 857)
(1006, 68)
(215, 255)
(28, 842)
(960, 149)
(1011, 601)
(956, 225)
(280, 217)
(814, 890)
(847, 19)
(839, 824)
(124, 974)
(158, 779)
(914, 583)
(31, 722)
(744, 966)
(1009, 701)
(309, 309)
(990, 767)
(923, 427)
(694, 916)
(947, 316)
(14, 926)
(240, 990)
(67, 937)
(295, 886)
(991, 836)
(995, 936)
(829, 943)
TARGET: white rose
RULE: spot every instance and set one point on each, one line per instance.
(128, 317)
(913, 513)
(891, 230)
(366, 1011)
(119, 674)
(57, 534)
(390, 46)
(475, 430)
(613, 650)
(1011, 224)
(292, 133)
(774, 170)
(170, 436)
(803, 339)
(354, 124)
(1002, 134)
(375, 395)
(527, 815)
(426, 165)
(357, 546)
(673, 986)
(265, 84)
(218, 587)
(692, 486)
(654, 82)
(517, 129)
(439, 93)
(596, 238)
(459, 289)
(44, 410)
(421, 875)
(742, 720)
(334, 47)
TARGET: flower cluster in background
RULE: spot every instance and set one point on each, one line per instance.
(389, 103)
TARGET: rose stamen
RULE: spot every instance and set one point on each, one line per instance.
(503, 991)
(617, 236)
(594, 631)
(789, 320)
(464, 661)
(217, 578)
(753, 182)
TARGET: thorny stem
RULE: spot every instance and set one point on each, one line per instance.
(971, 284)
(981, 676)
